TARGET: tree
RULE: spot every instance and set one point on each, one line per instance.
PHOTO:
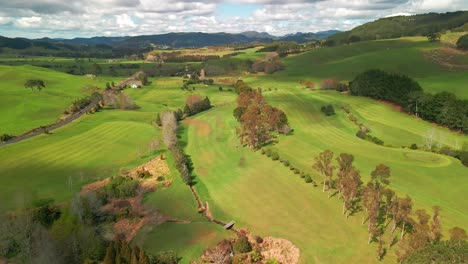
(441, 252)
(433, 37)
(462, 42)
(436, 226)
(401, 213)
(96, 69)
(242, 245)
(458, 234)
(143, 77)
(323, 164)
(34, 83)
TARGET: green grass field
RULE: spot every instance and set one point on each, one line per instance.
(269, 199)
(405, 55)
(247, 187)
(26, 109)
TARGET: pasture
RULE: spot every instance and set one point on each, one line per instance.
(247, 187)
(266, 197)
(26, 109)
(404, 55)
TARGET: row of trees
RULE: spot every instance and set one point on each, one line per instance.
(258, 120)
(183, 161)
(443, 108)
(382, 207)
(195, 104)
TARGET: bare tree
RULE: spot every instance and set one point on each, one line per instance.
(429, 138)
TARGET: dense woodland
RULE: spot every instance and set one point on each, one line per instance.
(443, 108)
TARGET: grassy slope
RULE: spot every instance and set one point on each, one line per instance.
(98, 146)
(398, 55)
(266, 197)
(26, 109)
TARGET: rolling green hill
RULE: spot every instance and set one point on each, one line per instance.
(26, 109)
(411, 56)
(401, 26)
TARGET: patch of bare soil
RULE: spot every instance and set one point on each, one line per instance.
(280, 249)
(156, 167)
(203, 129)
(392, 105)
(95, 185)
(446, 57)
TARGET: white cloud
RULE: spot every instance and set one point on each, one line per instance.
(64, 18)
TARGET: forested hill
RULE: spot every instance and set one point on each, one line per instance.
(400, 26)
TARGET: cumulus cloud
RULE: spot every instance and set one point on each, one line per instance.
(64, 18)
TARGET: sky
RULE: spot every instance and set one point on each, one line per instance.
(87, 18)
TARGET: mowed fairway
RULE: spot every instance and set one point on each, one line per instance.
(269, 199)
(24, 109)
(57, 165)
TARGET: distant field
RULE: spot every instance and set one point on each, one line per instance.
(405, 55)
(25, 109)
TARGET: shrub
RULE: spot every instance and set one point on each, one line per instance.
(220, 89)
(352, 118)
(361, 134)
(286, 163)
(242, 245)
(274, 156)
(6, 137)
(414, 146)
(328, 110)
(462, 42)
(160, 178)
(256, 256)
(464, 157)
(303, 174)
(268, 152)
(143, 174)
(342, 87)
(296, 171)
(262, 151)
(307, 179)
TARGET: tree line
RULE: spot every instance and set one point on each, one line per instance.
(443, 108)
(382, 207)
(258, 120)
(169, 123)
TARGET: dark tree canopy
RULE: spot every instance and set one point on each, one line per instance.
(442, 108)
(462, 42)
(34, 83)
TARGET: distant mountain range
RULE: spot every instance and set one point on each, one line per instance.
(127, 45)
(194, 39)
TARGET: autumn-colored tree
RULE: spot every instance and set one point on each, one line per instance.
(352, 184)
(258, 119)
(458, 234)
(345, 165)
(436, 226)
(389, 196)
(323, 164)
(371, 203)
(420, 235)
(401, 213)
